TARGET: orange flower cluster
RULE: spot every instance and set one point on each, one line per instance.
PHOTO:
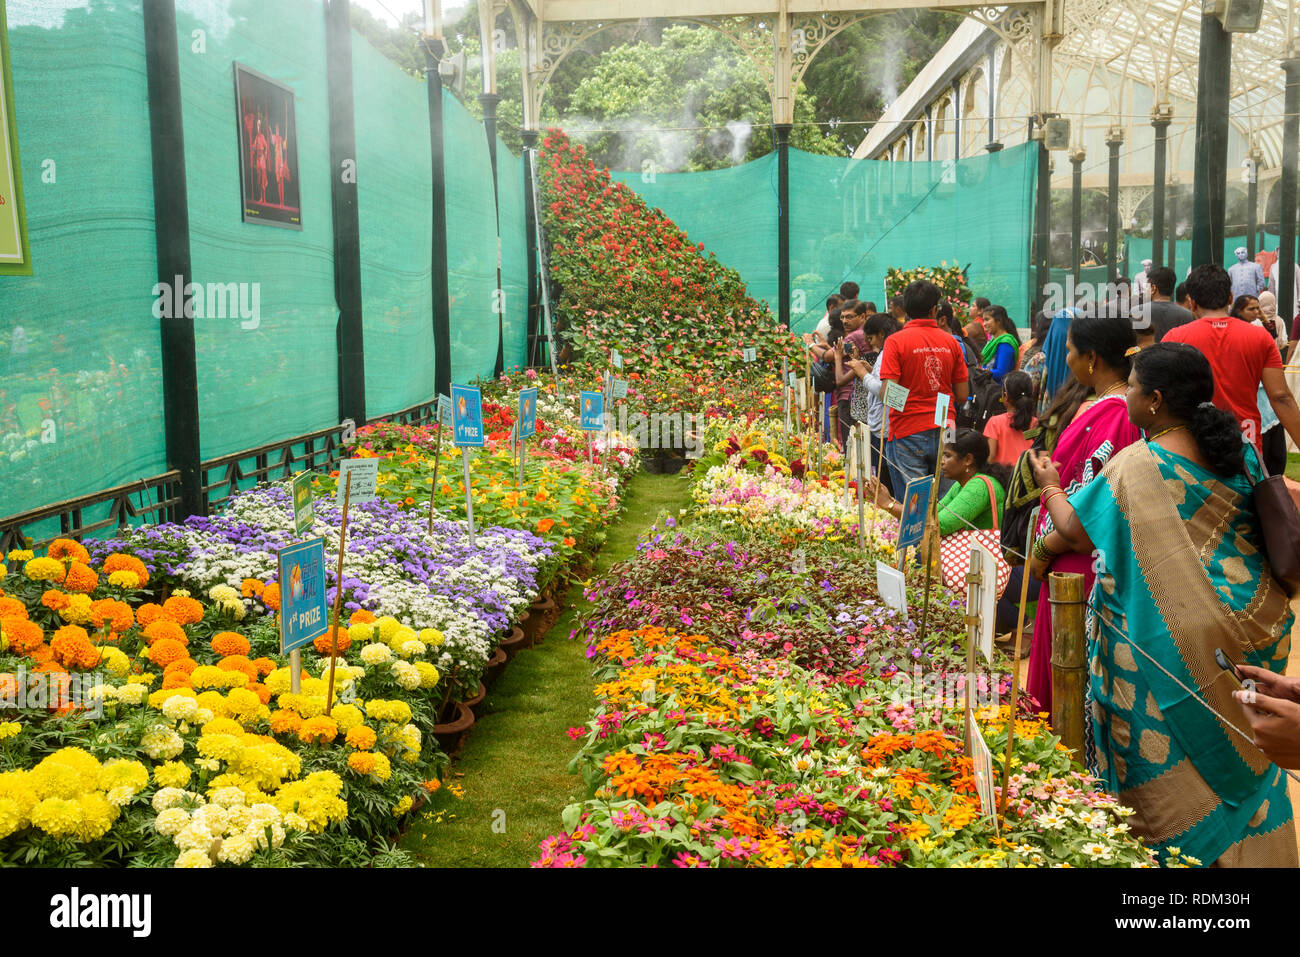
(118, 562)
(164, 629)
(322, 643)
(72, 648)
(183, 610)
(67, 548)
(80, 578)
(227, 643)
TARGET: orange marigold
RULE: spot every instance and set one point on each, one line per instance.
(115, 614)
(271, 596)
(162, 628)
(183, 610)
(362, 762)
(166, 650)
(361, 737)
(322, 643)
(230, 643)
(238, 663)
(72, 648)
(262, 691)
(148, 613)
(8, 685)
(118, 562)
(53, 599)
(67, 548)
(264, 666)
(251, 588)
(176, 679)
(41, 653)
(318, 730)
(12, 608)
(361, 617)
(23, 635)
(285, 722)
(80, 578)
(185, 666)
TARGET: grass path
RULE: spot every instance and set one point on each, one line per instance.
(513, 767)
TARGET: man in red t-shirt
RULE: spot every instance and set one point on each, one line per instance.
(926, 360)
(1242, 356)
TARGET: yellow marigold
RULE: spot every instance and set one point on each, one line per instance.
(182, 610)
(80, 578)
(128, 581)
(362, 738)
(388, 626)
(347, 717)
(62, 548)
(362, 762)
(383, 768)
(116, 662)
(172, 774)
(318, 730)
(78, 610)
(429, 675)
(242, 705)
(163, 628)
(361, 633)
(166, 650)
(44, 570)
(20, 555)
(226, 643)
(223, 726)
(403, 806)
(8, 729)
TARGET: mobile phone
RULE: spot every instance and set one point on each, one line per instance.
(1246, 684)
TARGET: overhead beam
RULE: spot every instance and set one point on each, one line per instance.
(559, 11)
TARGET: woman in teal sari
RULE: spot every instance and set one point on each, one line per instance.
(1180, 573)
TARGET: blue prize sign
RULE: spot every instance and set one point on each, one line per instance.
(467, 415)
(592, 405)
(303, 615)
(527, 413)
(916, 505)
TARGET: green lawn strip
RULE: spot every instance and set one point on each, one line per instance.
(1293, 466)
(514, 765)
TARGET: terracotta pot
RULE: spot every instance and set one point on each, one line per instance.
(542, 614)
(528, 624)
(515, 643)
(474, 701)
(496, 664)
(452, 734)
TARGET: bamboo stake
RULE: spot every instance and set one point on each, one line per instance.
(338, 595)
(1015, 673)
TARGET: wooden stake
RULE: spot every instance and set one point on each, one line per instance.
(433, 488)
(338, 595)
(932, 537)
(1015, 680)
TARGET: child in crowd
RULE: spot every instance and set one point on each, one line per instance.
(1006, 431)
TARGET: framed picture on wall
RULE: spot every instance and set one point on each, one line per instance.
(268, 150)
(15, 250)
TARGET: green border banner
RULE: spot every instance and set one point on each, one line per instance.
(15, 251)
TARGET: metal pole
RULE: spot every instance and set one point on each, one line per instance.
(434, 49)
(530, 226)
(783, 221)
(1171, 221)
(1161, 116)
(1286, 304)
(1256, 156)
(489, 103)
(172, 243)
(1068, 672)
(1114, 139)
(1210, 186)
(1077, 156)
(1043, 222)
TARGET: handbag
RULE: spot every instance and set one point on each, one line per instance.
(859, 407)
(1279, 521)
(1022, 497)
(954, 549)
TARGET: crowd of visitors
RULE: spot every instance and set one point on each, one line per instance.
(1143, 439)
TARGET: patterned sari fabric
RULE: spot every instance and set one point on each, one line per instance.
(1181, 574)
(1084, 448)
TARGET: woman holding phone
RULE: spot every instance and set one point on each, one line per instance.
(1180, 573)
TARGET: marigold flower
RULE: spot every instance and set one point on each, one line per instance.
(264, 666)
(166, 650)
(323, 643)
(23, 636)
(361, 617)
(285, 722)
(271, 596)
(251, 588)
(362, 762)
(12, 608)
(165, 628)
(119, 562)
(226, 643)
(52, 599)
(80, 578)
(262, 691)
(148, 613)
(240, 664)
(62, 548)
(183, 610)
(72, 648)
(318, 730)
(114, 614)
(362, 738)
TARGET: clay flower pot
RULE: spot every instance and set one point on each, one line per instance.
(474, 701)
(515, 643)
(452, 734)
(541, 616)
(496, 664)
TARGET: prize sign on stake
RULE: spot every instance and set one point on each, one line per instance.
(940, 410)
(616, 359)
(895, 396)
(467, 415)
(916, 505)
(365, 476)
(982, 597)
(620, 388)
(592, 405)
(751, 354)
(303, 513)
(444, 411)
(892, 585)
(982, 759)
(303, 615)
(527, 413)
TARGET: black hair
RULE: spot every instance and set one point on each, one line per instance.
(1109, 337)
(946, 313)
(882, 323)
(849, 289)
(972, 443)
(1210, 286)
(833, 300)
(896, 301)
(1064, 407)
(1001, 319)
(1019, 387)
(981, 303)
(1042, 324)
(1182, 375)
(1163, 279)
(835, 335)
(848, 306)
(1239, 304)
(1180, 293)
(920, 297)
(868, 304)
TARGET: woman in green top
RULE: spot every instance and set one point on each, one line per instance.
(1003, 348)
(968, 504)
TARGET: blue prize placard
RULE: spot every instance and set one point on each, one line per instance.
(444, 411)
(916, 506)
(527, 413)
(592, 405)
(467, 415)
(303, 615)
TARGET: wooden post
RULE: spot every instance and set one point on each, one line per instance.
(433, 488)
(932, 539)
(1068, 670)
(338, 594)
(1015, 665)
(973, 583)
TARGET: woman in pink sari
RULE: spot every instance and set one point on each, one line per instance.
(1097, 427)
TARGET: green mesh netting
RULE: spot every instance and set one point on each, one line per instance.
(471, 244)
(853, 219)
(80, 388)
(514, 254)
(276, 378)
(394, 201)
(732, 211)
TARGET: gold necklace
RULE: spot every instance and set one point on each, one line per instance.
(1172, 428)
(1112, 389)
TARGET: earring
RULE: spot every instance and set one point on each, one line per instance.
(1091, 365)
(1153, 410)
